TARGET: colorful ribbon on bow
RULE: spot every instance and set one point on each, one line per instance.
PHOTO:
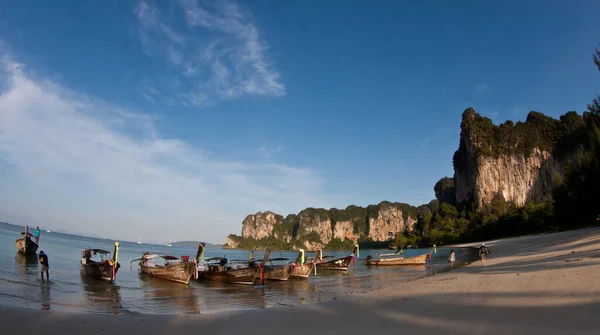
(262, 274)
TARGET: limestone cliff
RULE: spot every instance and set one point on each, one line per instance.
(514, 161)
(314, 228)
(259, 225)
(389, 220)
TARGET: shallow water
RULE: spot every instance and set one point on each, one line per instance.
(21, 285)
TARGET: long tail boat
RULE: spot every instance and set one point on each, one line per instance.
(397, 259)
(224, 272)
(281, 272)
(104, 269)
(25, 244)
(179, 270)
(303, 269)
(340, 264)
(219, 269)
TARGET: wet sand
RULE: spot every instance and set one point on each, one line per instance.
(543, 284)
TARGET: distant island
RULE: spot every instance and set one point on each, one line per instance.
(194, 244)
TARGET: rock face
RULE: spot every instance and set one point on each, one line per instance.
(259, 225)
(481, 173)
(316, 228)
(388, 221)
(231, 243)
(343, 230)
(517, 178)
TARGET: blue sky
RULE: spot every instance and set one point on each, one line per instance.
(171, 120)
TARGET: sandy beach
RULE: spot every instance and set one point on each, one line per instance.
(543, 284)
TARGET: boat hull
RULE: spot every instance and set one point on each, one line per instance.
(280, 272)
(99, 270)
(303, 271)
(178, 272)
(245, 276)
(26, 246)
(416, 260)
(339, 264)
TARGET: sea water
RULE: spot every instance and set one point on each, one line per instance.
(133, 292)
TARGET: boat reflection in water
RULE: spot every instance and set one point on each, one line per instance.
(26, 264)
(101, 296)
(165, 296)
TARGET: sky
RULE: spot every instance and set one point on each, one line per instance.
(173, 120)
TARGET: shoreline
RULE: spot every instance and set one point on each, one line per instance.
(548, 283)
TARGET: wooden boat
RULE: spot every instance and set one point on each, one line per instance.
(223, 272)
(340, 264)
(281, 272)
(179, 270)
(25, 244)
(396, 259)
(220, 269)
(104, 269)
(303, 269)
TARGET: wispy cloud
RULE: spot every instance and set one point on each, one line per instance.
(437, 134)
(219, 51)
(268, 152)
(108, 168)
(147, 89)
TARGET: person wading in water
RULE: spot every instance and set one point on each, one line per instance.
(44, 265)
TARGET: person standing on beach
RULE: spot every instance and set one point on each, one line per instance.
(44, 265)
(452, 258)
(483, 251)
(36, 234)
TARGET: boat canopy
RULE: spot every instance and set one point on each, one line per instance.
(391, 255)
(99, 251)
(239, 261)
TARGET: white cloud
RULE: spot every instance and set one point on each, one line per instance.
(219, 51)
(78, 161)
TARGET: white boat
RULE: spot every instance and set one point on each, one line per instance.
(169, 244)
(139, 241)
